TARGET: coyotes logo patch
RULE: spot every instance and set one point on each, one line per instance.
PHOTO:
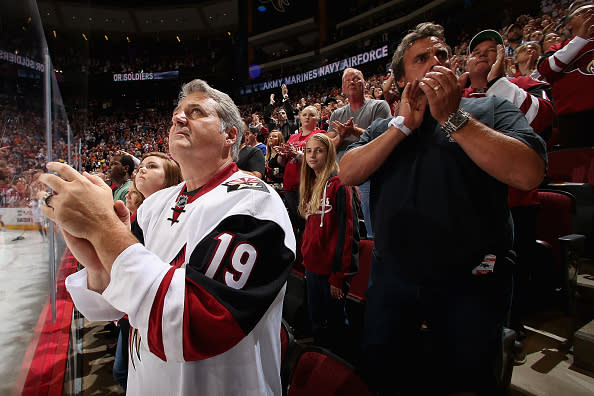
(249, 183)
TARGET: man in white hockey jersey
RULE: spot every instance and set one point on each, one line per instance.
(204, 287)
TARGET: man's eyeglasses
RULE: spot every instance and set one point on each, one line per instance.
(354, 80)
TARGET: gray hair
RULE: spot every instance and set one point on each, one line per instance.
(225, 107)
(421, 31)
(350, 69)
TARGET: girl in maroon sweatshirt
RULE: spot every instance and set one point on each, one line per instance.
(330, 242)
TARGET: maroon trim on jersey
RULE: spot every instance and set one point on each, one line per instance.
(525, 106)
(572, 85)
(213, 331)
(155, 328)
(212, 183)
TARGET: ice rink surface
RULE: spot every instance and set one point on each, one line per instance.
(24, 291)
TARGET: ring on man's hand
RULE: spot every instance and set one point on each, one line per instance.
(47, 198)
(436, 88)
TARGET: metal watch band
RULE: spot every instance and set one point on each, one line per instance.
(455, 121)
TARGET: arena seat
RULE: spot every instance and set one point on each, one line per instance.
(572, 165)
(558, 249)
(359, 281)
(287, 352)
(355, 300)
(319, 372)
(295, 305)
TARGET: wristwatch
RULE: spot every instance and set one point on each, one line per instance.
(455, 121)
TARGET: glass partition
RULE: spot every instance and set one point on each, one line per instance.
(33, 259)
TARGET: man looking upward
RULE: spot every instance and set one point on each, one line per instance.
(204, 287)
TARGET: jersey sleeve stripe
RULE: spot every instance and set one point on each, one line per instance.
(155, 326)
(215, 332)
(529, 107)
(155, 329)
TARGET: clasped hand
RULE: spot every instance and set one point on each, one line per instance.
(336, 293)
(287, 150)
(81, 202)
(82, 205)
(439, 89)
(346, 129)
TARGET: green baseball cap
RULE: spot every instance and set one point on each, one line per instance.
(483, 36)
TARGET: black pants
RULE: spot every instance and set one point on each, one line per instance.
(459, 350)
(524, 242)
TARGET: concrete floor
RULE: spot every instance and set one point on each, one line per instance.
(549, 369)
(24, 290)
(97, 361)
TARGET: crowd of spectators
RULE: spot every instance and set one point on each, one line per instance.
(22, 142)
(103, 138)
(133, 64)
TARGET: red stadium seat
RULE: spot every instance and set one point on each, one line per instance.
(287, 348)
(558, 250)
(356, 299)
(295, 305)
(554, 218)
(572, 165)
(319, 372)
(359, 281)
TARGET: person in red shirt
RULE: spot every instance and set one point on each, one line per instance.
(330, 240)
(570, 72)
(291, 158)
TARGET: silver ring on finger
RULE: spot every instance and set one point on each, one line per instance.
(47, 199)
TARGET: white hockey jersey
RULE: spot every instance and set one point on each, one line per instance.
(204, 294)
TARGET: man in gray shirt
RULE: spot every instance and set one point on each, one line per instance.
(349, 122)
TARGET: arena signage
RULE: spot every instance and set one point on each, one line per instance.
(125, 77)
(334, 67)
(21, 60)
(17, 216)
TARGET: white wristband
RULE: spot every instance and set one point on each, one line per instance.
(398, 122)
